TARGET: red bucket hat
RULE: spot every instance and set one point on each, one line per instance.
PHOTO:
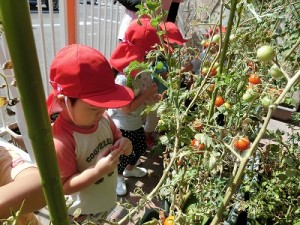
(173, 34)
(139, 40)
(82, 72)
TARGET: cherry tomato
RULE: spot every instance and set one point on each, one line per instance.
(241, 143)
(211, 88)
(203, 42)
(196, 144)
(219, 101)
(251, 66)
(204, 71)
(179, 162)
(216, 38)
(254, 79)
(213, 71)
(265, 53)
(275, 92)
(275, 71)
(169, 220)
(266, 101)
(198, 125)
(227, 105)
(249, 95)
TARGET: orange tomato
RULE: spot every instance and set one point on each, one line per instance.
(251, 66)
(213, 71)
(179, 162)
(198, 125)
(169, 220)
(196, 144)
(211, 88)
(219, 101)
(254, 79)
(241, 143)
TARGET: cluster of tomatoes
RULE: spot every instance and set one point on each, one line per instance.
(264, 54)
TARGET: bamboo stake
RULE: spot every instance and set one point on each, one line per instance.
(15, 17)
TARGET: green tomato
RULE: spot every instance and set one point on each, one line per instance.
(249, 96)
(265, 53)
(227, 105)
(159, 65)
(266, 101)
(275, 71)
(216, 38)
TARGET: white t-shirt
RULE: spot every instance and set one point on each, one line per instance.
(130, 121)
(77, 149)
(127, 18)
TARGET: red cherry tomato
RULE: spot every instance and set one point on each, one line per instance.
(219, 101)
(241, 143)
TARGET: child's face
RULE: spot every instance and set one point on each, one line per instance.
(84, 114)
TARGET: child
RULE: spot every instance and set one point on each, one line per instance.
(20, 183)
(87, 142)
(139, 40)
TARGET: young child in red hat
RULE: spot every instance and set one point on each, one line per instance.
(87, 142)
(140, 38)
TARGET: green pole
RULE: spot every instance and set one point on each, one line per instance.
(15, 17)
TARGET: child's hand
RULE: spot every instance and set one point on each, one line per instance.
(108, 159)
(125, 145)
(151, 91)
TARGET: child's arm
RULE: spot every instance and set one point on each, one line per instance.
(26, 187)
(148, 95)
(107, 162)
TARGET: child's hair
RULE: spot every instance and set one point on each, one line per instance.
(72, 100)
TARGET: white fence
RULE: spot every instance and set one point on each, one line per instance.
(96, 25)
(76, 21)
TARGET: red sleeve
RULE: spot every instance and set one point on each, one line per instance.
(65, 153)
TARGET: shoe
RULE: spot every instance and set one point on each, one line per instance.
(138, 162)
(135, 172)
(150, 142)
(121, 186)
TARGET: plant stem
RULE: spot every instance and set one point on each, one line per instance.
(15, 17)
(292, 49)
(223, 53)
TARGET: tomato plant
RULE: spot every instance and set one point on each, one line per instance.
(253, 72)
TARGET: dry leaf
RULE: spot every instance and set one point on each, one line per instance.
(7, 65)
(3, 101)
